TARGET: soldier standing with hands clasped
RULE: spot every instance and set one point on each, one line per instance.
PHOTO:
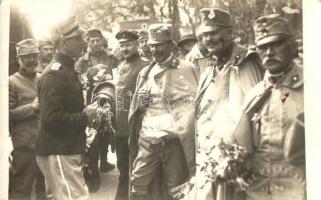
(23, 116)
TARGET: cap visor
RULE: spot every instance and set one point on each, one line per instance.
(206, 29)
(157, 42)
(272, 38)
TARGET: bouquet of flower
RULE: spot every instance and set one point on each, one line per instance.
(224, 163)
(99, 90)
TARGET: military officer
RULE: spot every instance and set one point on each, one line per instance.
(96, 53)
(23, 117)
(273, 108)
(63, 118)
(185, 44)
(127, 73)
(46, 52)
(161, 118)
(143, 46)
(227, 77)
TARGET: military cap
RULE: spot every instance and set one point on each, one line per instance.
(126, 36)
(93, 32)
(186, 38)
(271, 28)
(143, 35)
(27, 46)
(159, 33)
(66, 28)
(214, 19)
(45, 42)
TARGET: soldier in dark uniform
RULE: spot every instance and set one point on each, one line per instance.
(127, 74)
(271, 127)
(23, 116)
(63, 118)
(46, 52)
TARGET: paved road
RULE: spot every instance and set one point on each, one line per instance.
(109, 182)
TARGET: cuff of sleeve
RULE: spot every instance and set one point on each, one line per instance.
(85, 118)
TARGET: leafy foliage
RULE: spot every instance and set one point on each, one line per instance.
(184, 14)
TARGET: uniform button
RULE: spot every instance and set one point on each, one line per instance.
(207, 137)
(295, 78)
(181, 76)
(208, 119)
(186, 87)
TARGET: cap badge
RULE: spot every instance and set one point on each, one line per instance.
(211, 15)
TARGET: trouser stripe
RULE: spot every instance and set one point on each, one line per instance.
(63, 177)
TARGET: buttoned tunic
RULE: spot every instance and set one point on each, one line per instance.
(23, 117)
(127, 73)
(276, 177)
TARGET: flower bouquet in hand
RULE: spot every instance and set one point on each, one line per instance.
(224, 163)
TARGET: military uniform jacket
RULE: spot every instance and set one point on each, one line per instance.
(127, 73)
(89, 59)
(178, 83)
(268, 126)
(22, 116)
(194, 55)
(62, 121)
(219, 108)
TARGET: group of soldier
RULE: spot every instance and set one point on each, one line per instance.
(171, 109)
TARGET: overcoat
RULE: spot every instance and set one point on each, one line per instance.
(179, 86)
(219, 108)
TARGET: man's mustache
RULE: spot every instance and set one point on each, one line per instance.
(267, 60)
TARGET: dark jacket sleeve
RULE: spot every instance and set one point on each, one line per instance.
(18, 113)
(53, 112)
(81, 66)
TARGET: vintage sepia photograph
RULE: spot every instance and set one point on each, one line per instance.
(159, 100)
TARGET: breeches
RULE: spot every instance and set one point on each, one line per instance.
(167, 156)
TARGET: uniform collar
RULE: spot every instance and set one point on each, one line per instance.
(133, 57)
(291, 79)
(65, 60)
(26, 74)
(171, 61)
(225, 56)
